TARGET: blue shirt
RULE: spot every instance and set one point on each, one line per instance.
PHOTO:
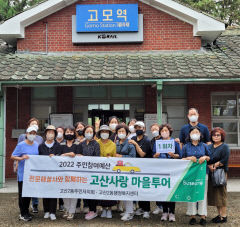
(126, 149)
(38, 139)
(24, 149)
(164, 155)
(198, 151)
(184, 133)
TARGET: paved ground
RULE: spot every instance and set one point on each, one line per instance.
(9, 216)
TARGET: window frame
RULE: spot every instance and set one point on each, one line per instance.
(222, 119)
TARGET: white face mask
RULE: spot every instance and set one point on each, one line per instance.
(60, 135)
(31, 137)
(113, 126)
(121, 136)
(104, 135)
(132, 129)
(89, 136)
(195, 137)
(155, 133)
(165, 135)
(193, 118)
(50, 136)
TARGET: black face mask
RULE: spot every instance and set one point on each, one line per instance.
(69, 137)
(139, 132)
(80, 132)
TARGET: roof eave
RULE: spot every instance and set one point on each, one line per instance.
(205, 26)
(15, 26)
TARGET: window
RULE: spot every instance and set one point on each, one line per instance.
(43, 103)
(226, 114)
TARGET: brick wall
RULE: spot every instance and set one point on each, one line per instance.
(161, 32)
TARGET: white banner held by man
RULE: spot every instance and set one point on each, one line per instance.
(114, 178)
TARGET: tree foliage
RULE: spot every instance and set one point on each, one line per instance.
(226, 10)
(9, 8)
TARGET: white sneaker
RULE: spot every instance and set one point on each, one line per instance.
(172, 217)
(46, 215)
(109, 214)
(104, 213)
(122, 214)
(139, 212)
(164, 217)
(127, 217)
(53, 217)
(157, 210)
(146, 215)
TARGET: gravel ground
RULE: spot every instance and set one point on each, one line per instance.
(9, 216)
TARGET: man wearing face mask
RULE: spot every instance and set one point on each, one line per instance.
(143, 148)
(193, 116)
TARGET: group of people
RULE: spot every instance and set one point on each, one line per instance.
(117, 139)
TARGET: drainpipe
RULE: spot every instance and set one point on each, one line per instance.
(159, 101)
(46, 29)
(2, 136)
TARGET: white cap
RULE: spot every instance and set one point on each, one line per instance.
(31, 128)
(139, 123)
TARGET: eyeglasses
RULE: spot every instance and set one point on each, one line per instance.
(217, 135)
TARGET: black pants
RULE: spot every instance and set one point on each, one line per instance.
(50, 205)
(168, 207)
(85, 203)
(145, 205)
(60, 202)
(92, 204)
(23, 202)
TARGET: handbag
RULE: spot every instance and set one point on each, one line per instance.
(218, 177)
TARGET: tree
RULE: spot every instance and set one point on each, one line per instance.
(9, 8)
(226, 10)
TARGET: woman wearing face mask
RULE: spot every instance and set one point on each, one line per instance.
(112, 123)
(50, 148)
(20, 153)
(131, 124)
(69, 149)
(60, 134)
(79, 127)
(90, 147)
(143, 148)
(195, 150)
(125, 150)
(154, 128)
(107, 149)
(32, 122)
(165, 134)
(60, 139)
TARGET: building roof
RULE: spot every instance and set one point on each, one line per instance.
(221, 61)
(204, 25)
